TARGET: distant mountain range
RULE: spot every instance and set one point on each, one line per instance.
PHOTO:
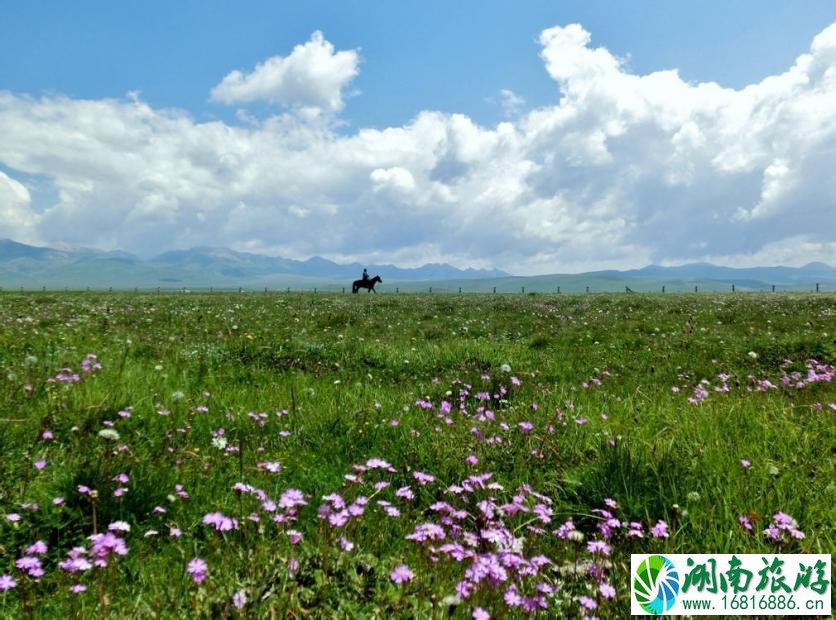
(34, 267)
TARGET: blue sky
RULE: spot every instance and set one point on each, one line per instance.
(633, 165)
(451, 56)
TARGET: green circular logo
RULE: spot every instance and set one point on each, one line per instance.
(656, 584)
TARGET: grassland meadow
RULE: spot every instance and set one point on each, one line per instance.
(400, 456)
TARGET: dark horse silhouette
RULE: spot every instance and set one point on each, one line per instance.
(369, 284)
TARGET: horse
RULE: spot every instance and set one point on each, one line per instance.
(369, 284)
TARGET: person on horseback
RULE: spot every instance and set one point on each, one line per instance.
(366, 282)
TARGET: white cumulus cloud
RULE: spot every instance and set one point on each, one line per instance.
(17, 220)
(395, 178)
(511, 102)
(313, 75)
(621, 170)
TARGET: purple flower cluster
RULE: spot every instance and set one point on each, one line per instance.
(815, 372)
(220, 521)
(89, 365)
(783, 528)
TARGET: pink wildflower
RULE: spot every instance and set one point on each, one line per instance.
(405, 493)
(220, 522)
(292, 498)
(660, 530)
(598, 547)
(239, 599)
(270, 466)
(401, 574)
(37, 548)
(31, 566)
(197, 568)
(422, 478)
(7, 582)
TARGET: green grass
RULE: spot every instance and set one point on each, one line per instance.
(345, 367)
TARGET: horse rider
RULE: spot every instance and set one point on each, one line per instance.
(365, 277)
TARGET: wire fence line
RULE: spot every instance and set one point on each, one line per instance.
(413, 289)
